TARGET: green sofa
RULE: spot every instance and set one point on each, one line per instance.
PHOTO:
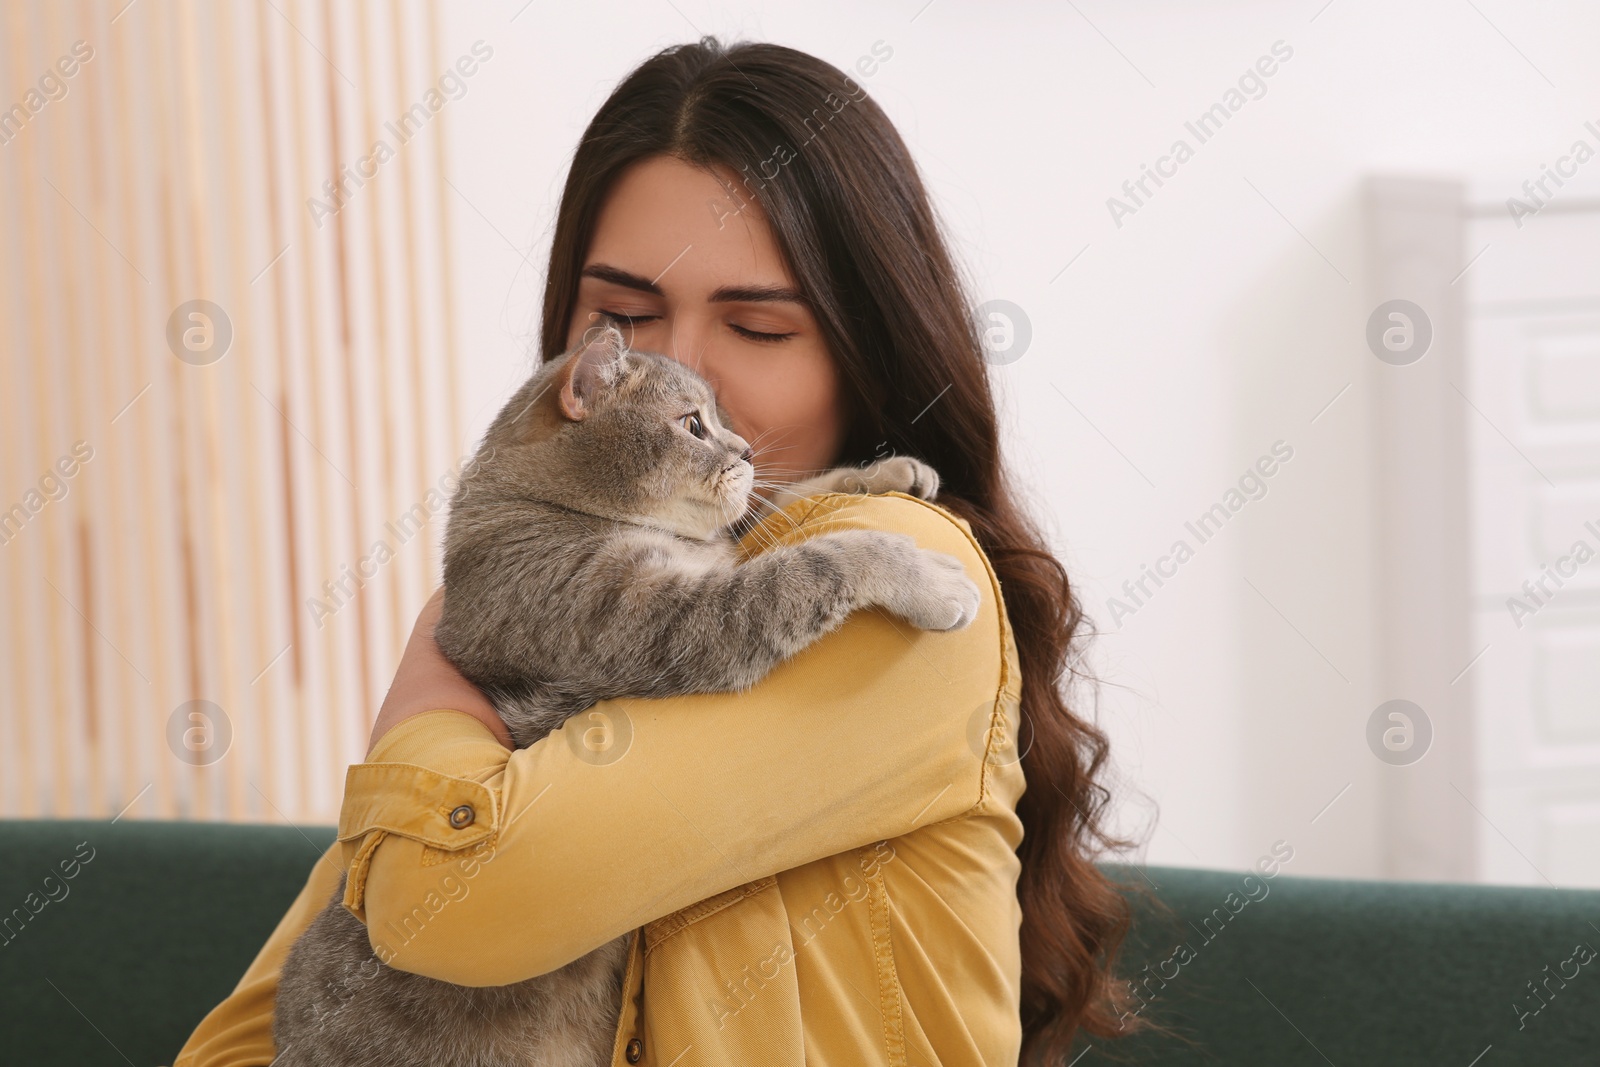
(157, 921)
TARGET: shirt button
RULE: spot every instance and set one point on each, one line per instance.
(462, 817)
(635, 1050)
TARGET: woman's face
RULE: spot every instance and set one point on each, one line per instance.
(684, 269)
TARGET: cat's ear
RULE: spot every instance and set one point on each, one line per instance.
(595, 365)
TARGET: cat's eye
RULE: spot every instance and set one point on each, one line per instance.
(692, 423)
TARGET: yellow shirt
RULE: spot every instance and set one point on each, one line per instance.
(820, 870)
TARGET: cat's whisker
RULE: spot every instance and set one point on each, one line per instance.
(766, 538)
(761, 501)
(786, 474)
(775, 429)
(783, 477)
(767, 542)
(769, 485)
(762, 450)
(760, 435)
(760, 462)
(762, 466)
(760, 509)
(791, 478)
(755, 531)
(755, 446)
(699, 354)
(790, 471)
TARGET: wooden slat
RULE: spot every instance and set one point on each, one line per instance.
(54, 702)
(135, 423)
(299, 710)
(392, 444)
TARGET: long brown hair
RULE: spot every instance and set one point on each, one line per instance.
(854, 222)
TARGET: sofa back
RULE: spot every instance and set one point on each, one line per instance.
(116, 939)
(1292, 970)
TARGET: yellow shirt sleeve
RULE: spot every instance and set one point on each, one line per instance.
(640, 807)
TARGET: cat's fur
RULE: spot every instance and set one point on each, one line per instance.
(588, 556)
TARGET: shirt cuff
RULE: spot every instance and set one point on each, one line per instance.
(449, 810)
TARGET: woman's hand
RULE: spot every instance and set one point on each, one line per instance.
(425, 680)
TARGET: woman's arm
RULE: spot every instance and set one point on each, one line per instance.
(638, 808)
(426, 680)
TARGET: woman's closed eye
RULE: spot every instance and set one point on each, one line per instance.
(635, 321)
(626, 320)
(758, 335)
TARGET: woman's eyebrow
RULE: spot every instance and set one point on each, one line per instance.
(617, 276)
(753, 294)
(757, 294)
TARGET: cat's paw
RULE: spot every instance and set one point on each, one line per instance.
(938, 596)
(898, 474)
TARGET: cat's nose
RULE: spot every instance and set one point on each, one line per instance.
(746, 454)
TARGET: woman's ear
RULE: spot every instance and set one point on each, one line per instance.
(594, 365)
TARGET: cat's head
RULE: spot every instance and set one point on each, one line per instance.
(627, 435)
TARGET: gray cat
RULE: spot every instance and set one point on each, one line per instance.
(590, 554)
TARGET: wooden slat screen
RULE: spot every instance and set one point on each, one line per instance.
(252, 531)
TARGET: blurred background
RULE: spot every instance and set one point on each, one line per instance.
(1293, 312)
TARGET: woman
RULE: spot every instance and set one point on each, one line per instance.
(840, 865)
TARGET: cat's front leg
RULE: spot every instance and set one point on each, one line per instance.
(728, 629)
(679, 625)
(896, 474)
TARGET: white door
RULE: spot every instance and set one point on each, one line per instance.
(1533, 443)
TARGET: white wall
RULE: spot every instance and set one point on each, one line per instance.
(1223, 315)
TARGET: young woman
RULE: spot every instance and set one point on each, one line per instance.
(848, 863)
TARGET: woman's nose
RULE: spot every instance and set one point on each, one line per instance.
(686, 343)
